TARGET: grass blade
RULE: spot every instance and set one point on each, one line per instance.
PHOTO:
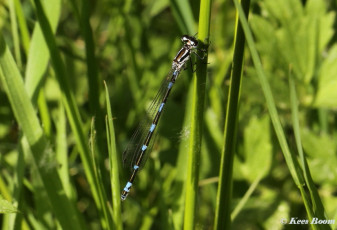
(22, 25)
(114, 171)
(223, 204)
(105, 215)
(181, 9)
(15, 34)
(93, 75)
(38, 55)
(61, 149)
(27, 119)
(291, 160)
(317, 206)
(199, 85)
(68, 101)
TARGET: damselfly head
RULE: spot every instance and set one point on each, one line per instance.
(189, 41)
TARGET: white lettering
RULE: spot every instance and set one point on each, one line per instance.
(331, 222)
(315, 220)
(296, 221)
(292, 221)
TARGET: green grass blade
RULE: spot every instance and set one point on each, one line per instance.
(317, 206)
(25, 115)
(94, 89)
(199, 85)
(15, 34)
(290, 158)
(105, 215)
(94, 79)
(44, 114)
(246, 197)
(17, 220)
(38, 56)
(223, 204)
(179, 188)
(4, 190)
(61, 149)
(22, 25)
(93, 76)
(68, 100)
(114, 171)
(182, 11)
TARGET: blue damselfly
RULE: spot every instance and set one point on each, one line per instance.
(136, 151)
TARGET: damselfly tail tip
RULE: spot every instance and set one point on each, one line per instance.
(126, 191)
(123, 197)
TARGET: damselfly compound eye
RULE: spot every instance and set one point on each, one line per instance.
(190, 41)
(193, 42)
(185, 38)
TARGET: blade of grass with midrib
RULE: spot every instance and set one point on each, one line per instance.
(291, 159)
(199, 88)
(114, 170)
(70, 107)
(24, 112)
(224, 196)
(318, 210)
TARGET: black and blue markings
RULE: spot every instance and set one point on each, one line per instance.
(138, 154)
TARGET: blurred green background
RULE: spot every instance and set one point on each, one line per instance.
(133, 44)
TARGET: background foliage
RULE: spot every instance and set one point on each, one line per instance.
(130, 46)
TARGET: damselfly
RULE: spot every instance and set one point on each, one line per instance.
(135, 153)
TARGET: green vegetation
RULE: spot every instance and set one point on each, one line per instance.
(245, 142)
